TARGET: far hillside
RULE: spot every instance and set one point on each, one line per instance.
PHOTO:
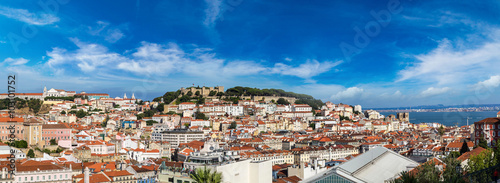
(239, 93)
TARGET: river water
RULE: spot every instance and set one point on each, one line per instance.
(447, 118)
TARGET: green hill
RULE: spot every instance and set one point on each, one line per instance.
(233, 94)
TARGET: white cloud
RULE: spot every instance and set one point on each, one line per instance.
(446, 65)
(15, 61)
(103, 29)
(28, 17)
(101, 25)
(166, 59)
(431, 91)
(153, 58)
(3, 42)
(87, 57)
(306, 70)
(492, 82)
(212, 12)
(349, 93)
(113, 35)
(397, 94)
(243, 68)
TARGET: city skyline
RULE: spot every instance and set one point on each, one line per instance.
(425, 53)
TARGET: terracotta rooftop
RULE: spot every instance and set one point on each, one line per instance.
(489, 120)
(474, 152)
(97, 178)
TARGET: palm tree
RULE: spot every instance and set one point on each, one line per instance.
(405, 177)
(206, 176)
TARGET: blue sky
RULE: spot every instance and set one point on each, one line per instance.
(374, 53)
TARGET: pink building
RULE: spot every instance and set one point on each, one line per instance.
(60, 132)
(4, 128)
(42, 171)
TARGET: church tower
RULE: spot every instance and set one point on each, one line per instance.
(133, 97)
(44, 91)
(125, 96)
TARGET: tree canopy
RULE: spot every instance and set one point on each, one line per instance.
(233, 125)
(31, 153)
(483, 143)
(168, 97)
(200, 115)
(53, 142)
(282, 101)
(18, 144)
(160, 107)
(147, 113)
(428, 172)
(301, 98)
(247, 91)
(150, 122)
(80, 113)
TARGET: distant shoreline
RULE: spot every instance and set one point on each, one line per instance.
(450, 118)
(431, 111)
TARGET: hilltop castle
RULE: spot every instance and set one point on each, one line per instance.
(204, 91)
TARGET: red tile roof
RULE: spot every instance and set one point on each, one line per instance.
(117, 173)
(97, 178)
(474, 152)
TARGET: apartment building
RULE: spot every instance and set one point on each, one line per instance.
(177, 136)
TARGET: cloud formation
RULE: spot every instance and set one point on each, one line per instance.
(450, 63)
(87, 57)
(492, 82)
(25, 16)
(431, 91)
(305, 70)
(110, 33)
(348, 93)
(15, 61)
(212, 12)
(166, 59)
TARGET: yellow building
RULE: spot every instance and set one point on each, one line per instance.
(33, 133)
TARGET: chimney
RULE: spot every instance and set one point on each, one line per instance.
(86, 176)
